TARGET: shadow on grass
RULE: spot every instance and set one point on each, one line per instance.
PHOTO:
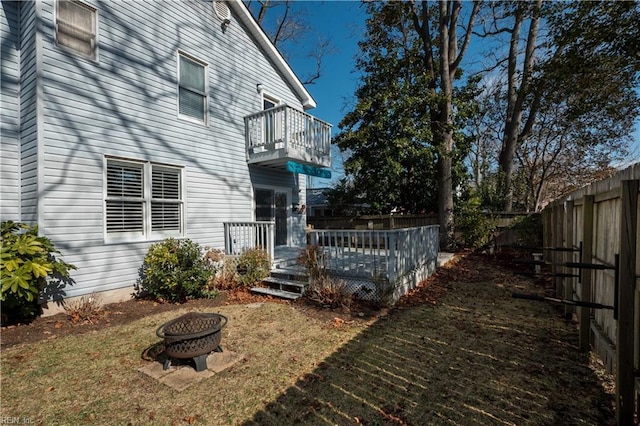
(478, 357)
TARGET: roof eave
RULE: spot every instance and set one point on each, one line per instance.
(242, 12)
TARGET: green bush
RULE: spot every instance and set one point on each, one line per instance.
(174, 271)
(253, 266)
(528, 230)
(476, 227)
(27, 263)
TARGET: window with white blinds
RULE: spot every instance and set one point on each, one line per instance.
(125, 197)
(143, 200)
(165, 199)
(192, 90)
(76, 27)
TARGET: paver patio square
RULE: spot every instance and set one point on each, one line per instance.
(219, 361)
(155, 370)
(181, 376)
(184, 377)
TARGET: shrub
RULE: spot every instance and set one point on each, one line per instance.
(329, 292)
(253, 265)
(528, 230)
(314, 260)
(174, 270)
(476, 227)
(225, 276)
(85, 309)
(323, 289)
(27, 263)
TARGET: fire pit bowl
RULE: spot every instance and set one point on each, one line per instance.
(193, 335)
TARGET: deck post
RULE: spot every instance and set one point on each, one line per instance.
(392, 264)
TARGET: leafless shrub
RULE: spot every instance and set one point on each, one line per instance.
(85, 309)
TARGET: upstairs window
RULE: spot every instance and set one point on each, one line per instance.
(192, 90)
(76, 27)
(143, 200)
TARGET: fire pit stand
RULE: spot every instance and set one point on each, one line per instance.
(193, 335)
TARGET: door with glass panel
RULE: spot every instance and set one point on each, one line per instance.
(271, 205)
(272, 121)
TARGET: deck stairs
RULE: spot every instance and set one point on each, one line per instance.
(287, 280)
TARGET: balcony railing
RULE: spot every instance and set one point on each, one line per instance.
(277, 135)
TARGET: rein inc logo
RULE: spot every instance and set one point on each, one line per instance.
(7, 420)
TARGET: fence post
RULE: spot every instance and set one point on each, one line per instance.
(568, 256)
(626, 301)
(556, 256)
(548, 235)
(585, 274)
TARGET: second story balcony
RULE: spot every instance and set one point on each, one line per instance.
(277, 135)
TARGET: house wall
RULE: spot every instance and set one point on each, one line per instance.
(30, 117)
(125, 104)
(10, 111)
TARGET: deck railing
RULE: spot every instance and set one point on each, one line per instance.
(284, 127)
(242, 236)
(373, 254)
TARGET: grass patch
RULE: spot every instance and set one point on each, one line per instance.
(93, 378)
(472, 356)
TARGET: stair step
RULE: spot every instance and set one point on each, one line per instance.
(290, 274)
(280, 283)
(276, 292)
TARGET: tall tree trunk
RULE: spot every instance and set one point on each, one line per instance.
(444, 127)
(514, 134)
(442, 117)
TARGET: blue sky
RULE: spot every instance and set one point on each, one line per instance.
(344, 23)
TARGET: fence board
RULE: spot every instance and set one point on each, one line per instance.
(604, 217)
(626, 292)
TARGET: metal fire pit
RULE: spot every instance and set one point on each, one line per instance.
(193, 335)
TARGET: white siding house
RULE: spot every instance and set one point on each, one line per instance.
(127, 122)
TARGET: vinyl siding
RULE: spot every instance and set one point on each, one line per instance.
(125, 105)
(10, 112)
(29, 119)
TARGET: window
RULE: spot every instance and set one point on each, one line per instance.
(76, 27)
(143, 200)
(192, 90)
(125, 198)
(166, 205)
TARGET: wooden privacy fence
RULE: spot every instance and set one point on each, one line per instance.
(591, 240)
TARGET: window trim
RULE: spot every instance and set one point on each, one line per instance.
(205, 65)
(94, 57)
(268, 97)
(147, 199)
